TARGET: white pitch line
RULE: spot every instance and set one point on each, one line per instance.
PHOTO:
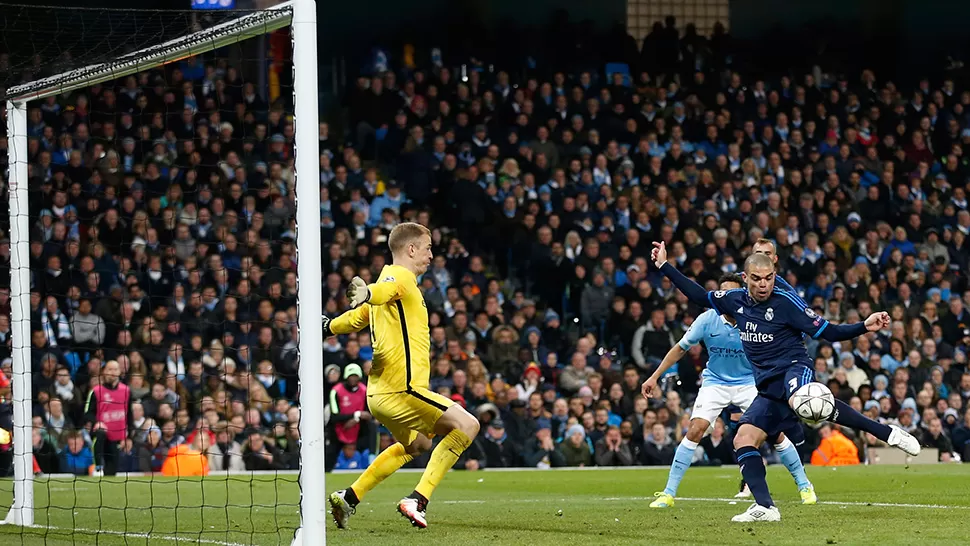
(738, 501)
(167, 538)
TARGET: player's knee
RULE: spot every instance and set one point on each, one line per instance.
(744, 439)
(696, 430)
(470, 426)
(420, 445)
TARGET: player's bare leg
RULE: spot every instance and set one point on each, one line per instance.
(458, 428)
(746, 443)
(343, 503)
(682, 459)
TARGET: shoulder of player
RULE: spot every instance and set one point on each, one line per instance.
(733, 292)
(398, 274)
(706, 317)
(786, 297)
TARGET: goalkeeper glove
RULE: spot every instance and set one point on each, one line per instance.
(357, 292)
(327, 332)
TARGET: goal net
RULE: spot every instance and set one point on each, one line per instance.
(161, 365)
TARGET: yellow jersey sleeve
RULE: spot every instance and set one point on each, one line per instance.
(386, 290)
(352, 321)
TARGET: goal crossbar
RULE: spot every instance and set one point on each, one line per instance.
(229, 32)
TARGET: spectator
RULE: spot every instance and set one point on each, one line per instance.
(351, 459)
(188, 459)
(540, 452)
(933, 437)
(258, 455)
(76, 458)
(611, 450)
(499, 450)
(226, 454)
(574, 447)
(576, 375)
(658, 448)
(45, 454)
(834, 449)
(717, 449)
(128, 460)
(88, 329)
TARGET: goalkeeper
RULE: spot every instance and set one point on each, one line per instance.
(397, 389)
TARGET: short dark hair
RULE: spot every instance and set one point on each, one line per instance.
(730, 277)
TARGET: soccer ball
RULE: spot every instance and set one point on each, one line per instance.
(813, 402)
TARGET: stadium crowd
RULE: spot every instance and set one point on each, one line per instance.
(163, 254)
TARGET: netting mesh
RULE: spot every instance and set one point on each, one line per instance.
(47, 47)
(163, 289)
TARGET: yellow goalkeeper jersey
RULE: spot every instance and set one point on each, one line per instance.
(398, 317)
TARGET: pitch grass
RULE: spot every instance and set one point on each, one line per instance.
(860, 505)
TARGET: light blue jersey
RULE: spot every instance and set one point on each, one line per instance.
(726, 363)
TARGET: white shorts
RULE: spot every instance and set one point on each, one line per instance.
(711, 400)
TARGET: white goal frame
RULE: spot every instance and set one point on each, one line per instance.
(301, 16)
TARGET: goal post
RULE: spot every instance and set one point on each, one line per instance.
(300, 16)
(313, 512)
(22, 511)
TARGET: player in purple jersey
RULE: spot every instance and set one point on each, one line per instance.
(771, 322)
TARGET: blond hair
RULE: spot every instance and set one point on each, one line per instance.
(404, 234)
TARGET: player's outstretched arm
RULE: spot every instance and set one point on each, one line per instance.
(672, 357)
(352, 321)
(694, 292)
(843, 332)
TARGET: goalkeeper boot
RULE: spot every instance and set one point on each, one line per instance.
(808, 494)
(756, 512)
(340, 509)
(745, 491)
(663, 500)
(412, 510)
(904, 441)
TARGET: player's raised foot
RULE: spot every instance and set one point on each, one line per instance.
(340, 509)
(412, 512)
(757, 512)
(808, 495)
(904, 441)
(745, 492)
(663, 500)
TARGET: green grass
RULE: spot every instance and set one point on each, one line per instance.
(512, 508)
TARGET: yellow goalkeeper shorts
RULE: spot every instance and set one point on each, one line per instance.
(407, 414)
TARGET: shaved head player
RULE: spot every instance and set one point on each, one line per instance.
(771, 323)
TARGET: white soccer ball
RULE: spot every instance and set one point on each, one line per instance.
(813, 403)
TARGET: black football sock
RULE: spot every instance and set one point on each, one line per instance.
(422, 501)
(351, 497)
(753, 470)
(846, 416)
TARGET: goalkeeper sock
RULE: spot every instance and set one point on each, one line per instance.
(383, 466)
(682, 460)
(848, 417)
(790, 458)
(753, 470)
(442, 459)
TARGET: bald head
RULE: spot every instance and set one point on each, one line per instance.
(759, 274)
(758, 261)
